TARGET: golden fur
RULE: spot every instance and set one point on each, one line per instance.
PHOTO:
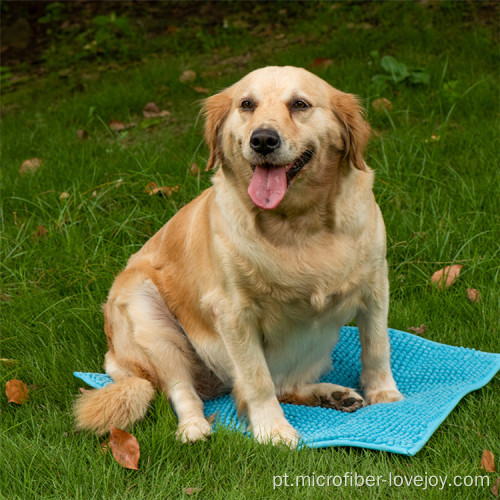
(228, 296)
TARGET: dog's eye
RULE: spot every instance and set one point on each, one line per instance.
(247, 104)
(299, 104)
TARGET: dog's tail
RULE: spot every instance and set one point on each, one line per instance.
(118, 405)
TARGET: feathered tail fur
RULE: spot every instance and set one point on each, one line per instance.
(118, 405)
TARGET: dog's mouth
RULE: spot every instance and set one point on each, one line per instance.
(270, 182)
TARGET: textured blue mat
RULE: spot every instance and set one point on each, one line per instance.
(433, 378)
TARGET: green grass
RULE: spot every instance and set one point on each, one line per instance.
(439, 199)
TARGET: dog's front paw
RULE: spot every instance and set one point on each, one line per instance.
(283, 433)
(193, 430)
(346, 400)
(383, 396)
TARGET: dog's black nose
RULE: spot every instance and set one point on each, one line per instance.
(265, 140)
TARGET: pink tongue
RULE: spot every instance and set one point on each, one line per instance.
(268, 186)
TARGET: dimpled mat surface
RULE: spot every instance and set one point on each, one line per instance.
(433, 378)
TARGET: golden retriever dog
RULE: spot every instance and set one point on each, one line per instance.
(246, 287)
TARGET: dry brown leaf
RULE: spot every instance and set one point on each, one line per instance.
(16, 391)
(151, 110)
(4, 297)
(201, 90)
(188, 76)
(151, 107)
(419, 330)
(195, 169)
(322, 62)
(473, 295)
(190, 491)
(116, 125)
(40, 232)
(488, 461)
(7, 361)
(167, 190)
(30, 166)
(125, 448)
(381, 104)
(119, 126)
(152, 188)
(64, 195)
(494, 488)
(447, 276)
(82, 134)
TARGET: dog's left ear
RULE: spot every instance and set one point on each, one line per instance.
(355, 130)
(215, 109)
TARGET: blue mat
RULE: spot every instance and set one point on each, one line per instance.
(433, 378)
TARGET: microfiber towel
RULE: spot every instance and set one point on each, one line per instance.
(433, 378)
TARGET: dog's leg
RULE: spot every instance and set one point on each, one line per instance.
(159, 336)
(325, 395)
(376, 375)
(253, 385)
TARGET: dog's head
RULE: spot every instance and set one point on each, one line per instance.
(283, 129)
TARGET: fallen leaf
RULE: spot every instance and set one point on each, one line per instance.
(116, 125)
(473, 295)
(4, 297)
(125, 448)
(419, 330)
(16, 391)
(152, 188)
(151, 110)
(488, 461)
(64, 195)
(381, 104)
(446, 276)
(119, 126)
(201, 90)
(30, 166)
(151, 107)
(494, 488)
(190, 491)
(188, 76)
(195, 169)
(82, 134)
(40, 232)
(322, 62)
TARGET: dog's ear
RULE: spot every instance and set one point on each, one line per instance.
(215, 109)
(355, 130)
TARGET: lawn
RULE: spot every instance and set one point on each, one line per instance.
(68, 227)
